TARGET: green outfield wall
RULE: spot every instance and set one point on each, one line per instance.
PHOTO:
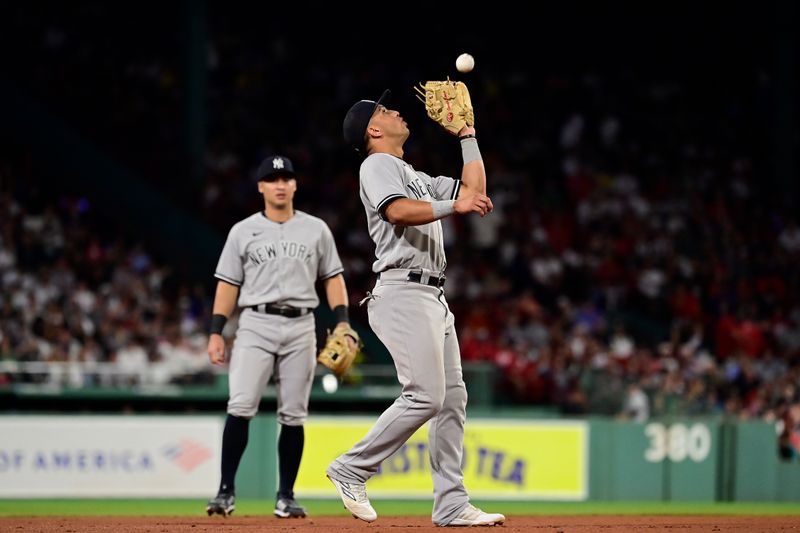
(702, 460)
(508, 456)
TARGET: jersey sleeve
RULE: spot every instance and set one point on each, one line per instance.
(382, 180)
(229, 267)
(446, 188)
(329, 262)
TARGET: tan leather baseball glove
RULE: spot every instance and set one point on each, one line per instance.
(448, 103)
(338, 354)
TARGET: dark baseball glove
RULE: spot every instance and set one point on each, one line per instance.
(338, 354)
(448, 103)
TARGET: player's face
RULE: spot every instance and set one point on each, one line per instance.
(390, 122)
(278, 192)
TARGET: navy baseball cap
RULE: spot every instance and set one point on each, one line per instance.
(357, 120)
(274, 166)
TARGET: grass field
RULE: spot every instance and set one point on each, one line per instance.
(384, 507)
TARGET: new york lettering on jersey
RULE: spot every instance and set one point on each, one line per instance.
(264, 252)
(276, 263)
(419, 189)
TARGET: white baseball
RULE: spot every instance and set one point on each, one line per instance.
(330, 383)
(465, 63)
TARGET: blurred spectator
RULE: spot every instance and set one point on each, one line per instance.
(637, 404)
(636, 236)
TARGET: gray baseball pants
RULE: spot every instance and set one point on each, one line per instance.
(267, 344)
(415, 323)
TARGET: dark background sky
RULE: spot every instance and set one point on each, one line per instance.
(124, 76)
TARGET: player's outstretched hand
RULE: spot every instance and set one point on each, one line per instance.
(476, 203)
(216, 349)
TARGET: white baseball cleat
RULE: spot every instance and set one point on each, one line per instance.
(472, 516)
(354, 497)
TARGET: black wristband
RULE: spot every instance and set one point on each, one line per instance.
(217, 324)
(467, 136)
(341, 314)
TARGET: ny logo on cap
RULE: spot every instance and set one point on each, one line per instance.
(277, 163)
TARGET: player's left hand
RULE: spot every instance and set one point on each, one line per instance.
(448, 103)
(216, 349)
(467, 130)
(352, 345)
(341, 348)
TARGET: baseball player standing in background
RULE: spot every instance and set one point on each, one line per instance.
(271, 261)
(409, 313)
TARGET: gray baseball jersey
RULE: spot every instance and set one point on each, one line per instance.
(277, 264)
(415, 324)
(385, 178)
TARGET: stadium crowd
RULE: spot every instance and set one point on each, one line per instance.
(76, 293)
(635, 265)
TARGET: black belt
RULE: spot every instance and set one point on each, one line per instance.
(288, 312)
(416, 277)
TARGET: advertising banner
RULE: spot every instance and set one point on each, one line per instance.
(109, 456)
(503, 459)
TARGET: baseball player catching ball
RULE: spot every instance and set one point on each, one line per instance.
(271, 261)
(407, 307)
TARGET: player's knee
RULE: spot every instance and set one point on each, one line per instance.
(439, 401)
(289, 419)
(293, 414)
(430, 404)
(243, 407)
(456, 397)
(245, 414)
(437, 406)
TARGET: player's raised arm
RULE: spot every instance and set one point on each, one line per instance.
(449, 104)
(473, 175)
